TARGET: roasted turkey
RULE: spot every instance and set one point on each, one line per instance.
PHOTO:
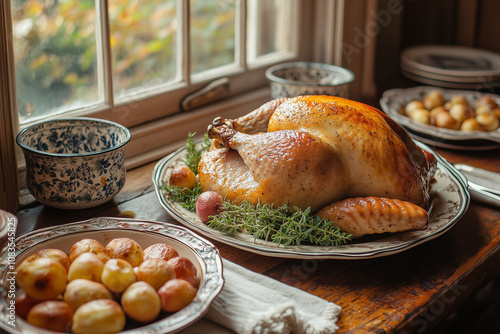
(331, 154)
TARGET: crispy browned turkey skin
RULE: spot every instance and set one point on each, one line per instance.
(314, 151)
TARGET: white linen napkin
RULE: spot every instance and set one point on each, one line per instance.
(250, 303)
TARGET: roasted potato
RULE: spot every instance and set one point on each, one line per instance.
(413, 105)
(461, 112)
(80, 291)
(176, 294)
(456, 114)
(488, 120)
(421, 116)
(141, 302)
(155, 272)
(42, 279)
(182, 177)
(55, 254)
(160, 251)
(88, 246)
(86, 266)
(487, 102)
(444, 120)
(55, 315)
(433, 99)
(99, 316)
(184, 269)
(126, 249)
(117, 275)
(471, 125)
(24, 303)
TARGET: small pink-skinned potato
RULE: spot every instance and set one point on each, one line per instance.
(155, 272)
(55, 254)
(54, 315)
(99, 317)
(141, 302)
(126, 249)
(208, 204)
(117, 275)
(81, 291)
(42, 279)
(86, 266)
(176, 294)
(182, 177)
(88, 246)
(160, 251)
(24, 303)
(184, 269)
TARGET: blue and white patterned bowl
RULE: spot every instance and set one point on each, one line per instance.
(74, 163)
(308, 78)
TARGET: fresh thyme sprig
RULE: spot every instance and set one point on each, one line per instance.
(280, 225)
(185, 197)
(194, 153)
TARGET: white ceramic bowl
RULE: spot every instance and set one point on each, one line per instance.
(200, 251)
(308, 78)
(74, 163)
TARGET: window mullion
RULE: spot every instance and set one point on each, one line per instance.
(104, 66)
(241, 46)
(183, 44)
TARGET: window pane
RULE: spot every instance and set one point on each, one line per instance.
(143, 38)
(55, 56)
(269, 27)
(213, 34)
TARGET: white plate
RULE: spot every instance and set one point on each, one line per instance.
(199, 250)
(453, 60)
(450, 200)
(469, 80)
(394, 100)
(450, 84)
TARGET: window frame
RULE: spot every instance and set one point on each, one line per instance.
(165, 127)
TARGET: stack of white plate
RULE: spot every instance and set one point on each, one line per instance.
(451, 66)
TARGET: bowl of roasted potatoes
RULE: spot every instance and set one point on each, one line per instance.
(107, 275)
(445, 117)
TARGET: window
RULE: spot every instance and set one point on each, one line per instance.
(134, 61)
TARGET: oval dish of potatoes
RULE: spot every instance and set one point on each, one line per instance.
(110, 275)
(447, 118)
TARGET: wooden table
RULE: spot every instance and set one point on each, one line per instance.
(404, 293)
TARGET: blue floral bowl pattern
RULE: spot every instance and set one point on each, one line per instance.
(308, 78)
(74, 163)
